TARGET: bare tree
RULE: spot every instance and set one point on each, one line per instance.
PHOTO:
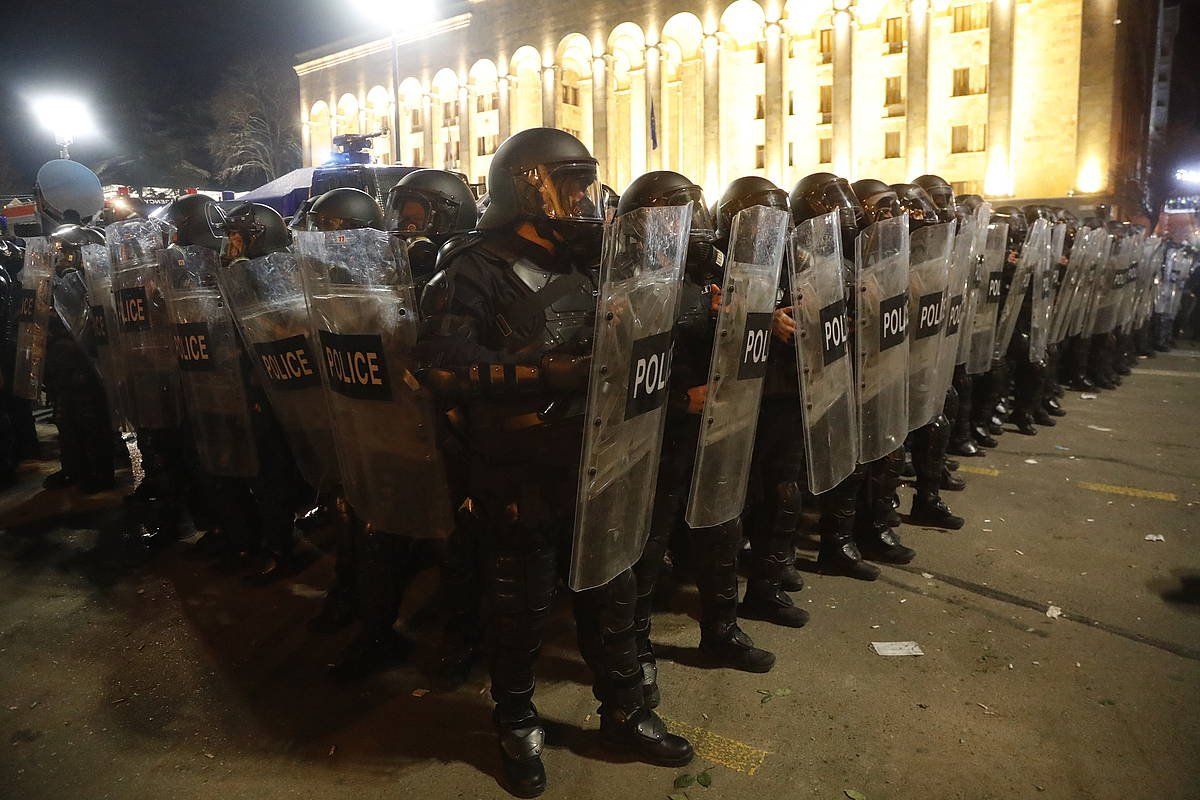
(255, 137)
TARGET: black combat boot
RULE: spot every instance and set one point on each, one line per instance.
(1024, 424)
(731, 647)
(880, 543)
(791, 579)
(765, 600)
(521, 742)
(721, 641)
(951, 482)
(929, 510)
(1053, 407)
(628, 726)
(839, 555)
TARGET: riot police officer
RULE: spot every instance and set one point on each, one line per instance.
(427, 208)
(813, 196)
(961, 441)
(876, 515)
(928, 443)
(713, 550)
(254, 230)
(512, 316)
(80, 405)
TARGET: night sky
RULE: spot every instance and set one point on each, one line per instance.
(125, 56)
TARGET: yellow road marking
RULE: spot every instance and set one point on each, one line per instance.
(1128, 491)
(729, 753)
(1168, 373)
(978, 470)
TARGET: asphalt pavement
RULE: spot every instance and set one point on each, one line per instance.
(1061, 641)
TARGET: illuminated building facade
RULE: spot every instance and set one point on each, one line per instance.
(1010, 98)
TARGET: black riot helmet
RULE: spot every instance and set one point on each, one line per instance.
(665, 188)
(253, 230)
(878, 199)
(920, 206)
(744, 193)
(1035, 212)
(941, 193)
(611, 200)
(823, 193)
(66, 246)
(970, 202)
(197, 221)
(345, 209)
(432, 203)
(546, 177)
(1018, 227)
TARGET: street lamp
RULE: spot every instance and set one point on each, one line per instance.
(411, 15)
(66, 118)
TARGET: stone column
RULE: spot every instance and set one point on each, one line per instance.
(465, 144)
(306, 143)
(774, 100)
(712, 112)
(427, 129)
(550, 96)
(843, 78)
(999, 178)
(1097, 92)
(505, 114)
(654, 109)
(916, 132)
(600, 114)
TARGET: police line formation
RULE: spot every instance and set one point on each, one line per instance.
(560, 385)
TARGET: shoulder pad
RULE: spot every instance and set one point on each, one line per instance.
(437, 294)
(454, 246)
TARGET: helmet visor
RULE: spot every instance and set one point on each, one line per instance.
(943, 198)
(564, 191)
(702, 218)
(415, 213)
(837, 196)
(920, 211)
(881, 206)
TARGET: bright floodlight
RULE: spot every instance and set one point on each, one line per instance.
(399, 15)
(1187, 175)
(65, 117)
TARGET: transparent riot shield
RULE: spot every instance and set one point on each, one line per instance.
(142, 323)
(881, 337)
(71, 303)
(974, 294)
(1042, 281)
(209, 355)
(930, 249)
(823, 351)
(266, 298)
(1065, 297)
(1152, 256)
(101, 313)
(1030, 264)
(738, 366)
(641, 270)
(1108, 290)
(1100, 282)
(1133, 284)
(991, 277)
(33, 319)
(958, 288)
(364, 315)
